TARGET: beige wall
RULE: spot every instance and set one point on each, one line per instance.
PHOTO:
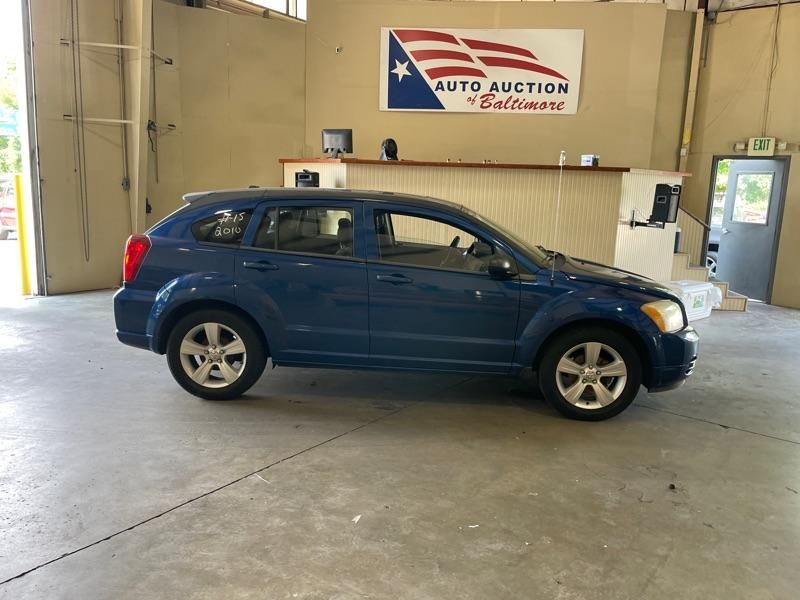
(730, 107)
(672, 83)
(73, 264)
(236, 93)
(617, 114)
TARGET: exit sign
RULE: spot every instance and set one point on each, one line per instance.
(761, 147)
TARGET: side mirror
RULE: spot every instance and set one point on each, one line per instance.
(501, 268)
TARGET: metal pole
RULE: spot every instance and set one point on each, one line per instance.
(25, 279)
(691, 90)
(562, 158)
(31, 162)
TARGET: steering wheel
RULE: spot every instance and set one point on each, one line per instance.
(455, 242)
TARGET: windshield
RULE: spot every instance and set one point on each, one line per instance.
(533, 251)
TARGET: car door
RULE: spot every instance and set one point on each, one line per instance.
(433, 305)
(301, 271)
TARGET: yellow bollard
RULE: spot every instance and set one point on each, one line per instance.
(23, 248)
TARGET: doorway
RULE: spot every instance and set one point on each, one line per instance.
(18, 219)
(745, 216)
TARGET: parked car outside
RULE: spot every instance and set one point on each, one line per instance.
(345, 279)
(713, 249)
(8, 211)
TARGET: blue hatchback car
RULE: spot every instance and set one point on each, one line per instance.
(339, 278)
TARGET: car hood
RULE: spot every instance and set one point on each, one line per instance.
(586, 270)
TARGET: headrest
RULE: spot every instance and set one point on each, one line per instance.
(345, 232)
(263, 235)
(287, 229)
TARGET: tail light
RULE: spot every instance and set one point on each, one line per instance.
(135, 250)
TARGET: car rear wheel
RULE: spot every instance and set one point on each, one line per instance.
(215, 354)
(590, 374)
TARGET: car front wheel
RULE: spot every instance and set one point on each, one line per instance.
(215, 354)
(590, 374)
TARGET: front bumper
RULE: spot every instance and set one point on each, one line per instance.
(678, 358)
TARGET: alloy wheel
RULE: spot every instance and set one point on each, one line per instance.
(711, 265)
(591, 375)
(213, 355)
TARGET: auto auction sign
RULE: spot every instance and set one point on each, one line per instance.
(514, 71)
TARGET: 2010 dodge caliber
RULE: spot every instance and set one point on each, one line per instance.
(338, 278)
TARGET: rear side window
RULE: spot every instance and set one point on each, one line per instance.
(307, 230)
(223, 227)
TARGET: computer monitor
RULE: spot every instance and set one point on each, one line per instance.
(337, 141)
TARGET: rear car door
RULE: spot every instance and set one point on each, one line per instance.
(303, 273)
(433, 305)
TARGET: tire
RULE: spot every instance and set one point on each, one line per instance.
(711, 264)
(217, 375)
(621, 381)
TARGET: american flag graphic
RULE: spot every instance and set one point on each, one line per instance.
(480, 70)
(446, 55)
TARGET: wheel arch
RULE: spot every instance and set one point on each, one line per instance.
(629, 332)
(176, 314)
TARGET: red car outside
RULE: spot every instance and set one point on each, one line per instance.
(8, 212)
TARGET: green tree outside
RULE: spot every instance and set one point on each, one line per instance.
(10, 146)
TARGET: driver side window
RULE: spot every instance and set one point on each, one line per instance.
(425, 242)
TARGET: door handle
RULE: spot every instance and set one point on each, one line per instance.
(259, 265)
(395, 279)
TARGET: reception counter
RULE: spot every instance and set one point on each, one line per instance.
(596, 202)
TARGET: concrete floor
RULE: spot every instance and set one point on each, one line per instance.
(116, 484)
(10, 284)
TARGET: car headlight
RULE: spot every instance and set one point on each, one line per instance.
(666, 314)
